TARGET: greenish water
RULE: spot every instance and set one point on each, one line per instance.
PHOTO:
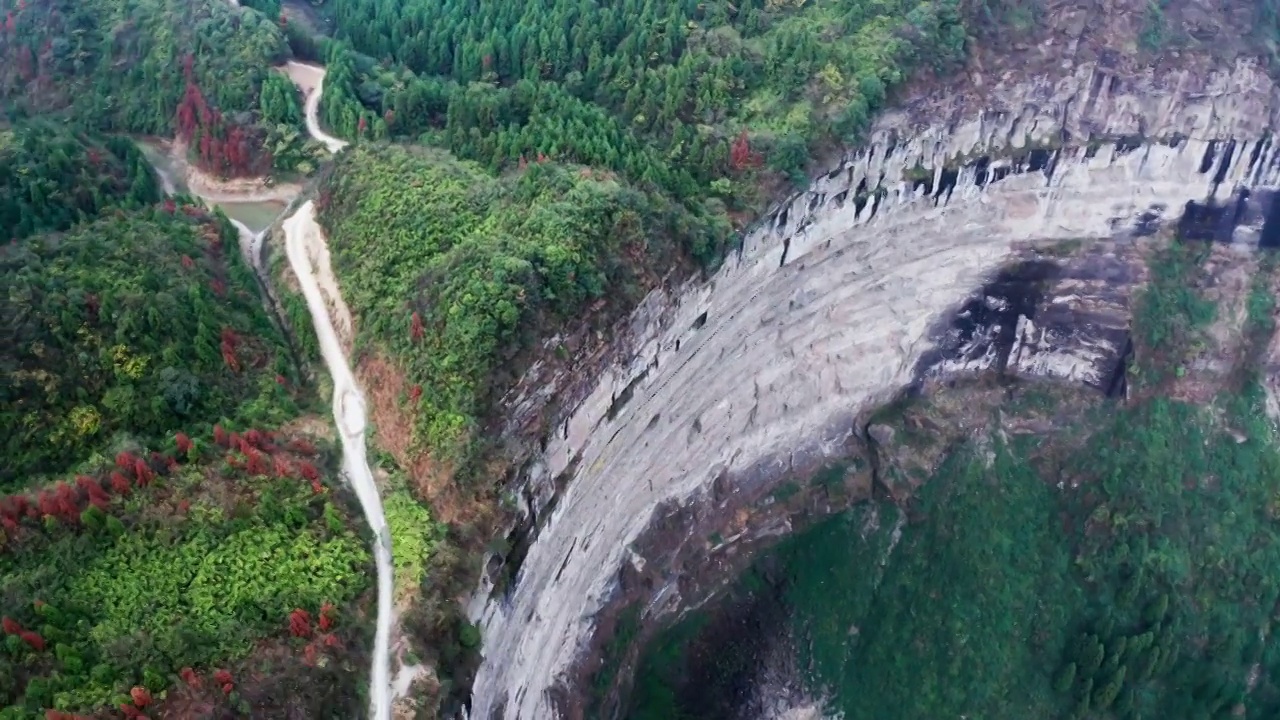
(257, 216)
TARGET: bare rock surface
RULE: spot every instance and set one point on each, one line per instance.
(833, 302)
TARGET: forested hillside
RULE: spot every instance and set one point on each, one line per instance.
(128, 65)
(51, 178)
(455, 272)
(137, 325)
(702, 99)
(169, 545)
(218, 575)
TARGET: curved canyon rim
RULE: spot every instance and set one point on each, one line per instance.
(826, 310)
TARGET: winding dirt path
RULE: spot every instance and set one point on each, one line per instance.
(308, 255)
(306, 249)
(310, 80)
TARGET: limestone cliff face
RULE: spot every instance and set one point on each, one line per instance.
(830, 307)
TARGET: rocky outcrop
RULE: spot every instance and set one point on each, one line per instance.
(1047, 316)
(833, 304)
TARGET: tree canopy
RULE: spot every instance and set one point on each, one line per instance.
(52, 178)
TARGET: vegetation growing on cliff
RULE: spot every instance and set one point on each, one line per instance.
(1126, 569)
(454, 272)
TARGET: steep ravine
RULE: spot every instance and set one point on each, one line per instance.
(827, 310)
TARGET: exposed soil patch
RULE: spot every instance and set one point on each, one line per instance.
(388, 394)
(214, 189)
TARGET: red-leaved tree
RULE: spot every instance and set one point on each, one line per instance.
(142, 473)
(183, 442)
(141, 696)
(33, 639)
(327, 617)
(300, 623)
(416, 330)
(255, 464)
(230, 341)
(740, 155)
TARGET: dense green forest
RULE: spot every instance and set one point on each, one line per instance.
(153, 560)
(130, 65)
(52, 178)
(1126, 567)
(453, 272)
(705, 100)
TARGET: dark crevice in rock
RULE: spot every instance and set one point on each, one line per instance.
(981, 170)
(1118, 385)
(980, 335)
(1211, 221)
(1270, 237)
(1206, 163)
(1227, 156)
(946, 184)
(1128, 144)
(621, 399)
(1255, 155)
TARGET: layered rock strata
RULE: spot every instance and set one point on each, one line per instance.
(827, 310)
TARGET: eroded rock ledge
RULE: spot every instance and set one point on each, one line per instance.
(830, 307)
